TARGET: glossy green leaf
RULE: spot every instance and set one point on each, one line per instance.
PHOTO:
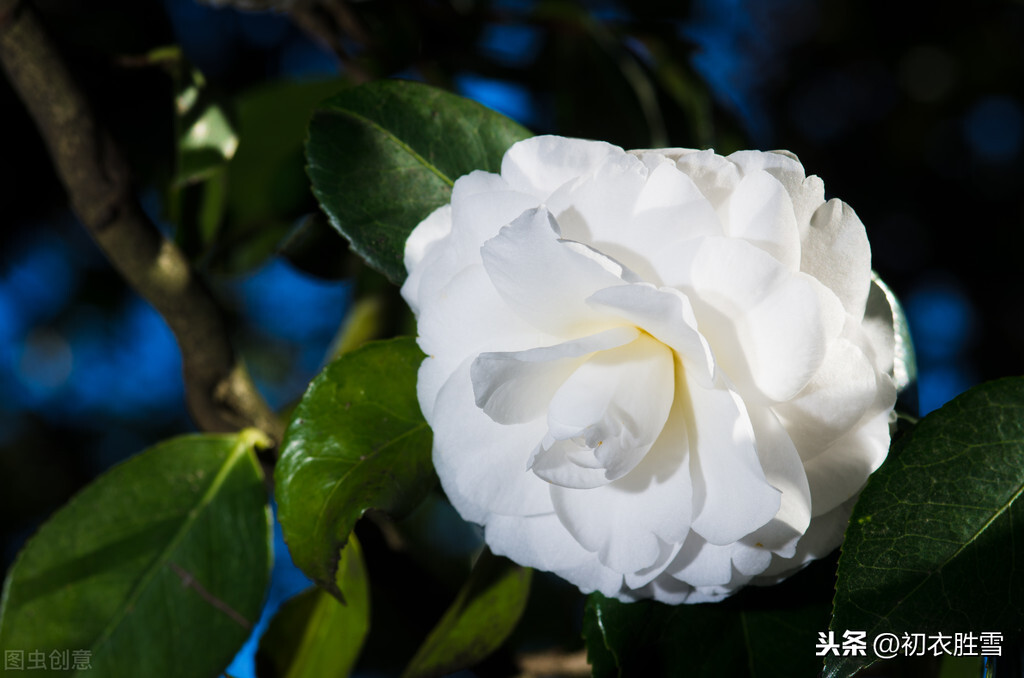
(721, 639)
(356, 441)
(267, 188)
(483, 615)
(316, 636)
(266, 176)
(384, 155)
(936, 540)
(157, 569)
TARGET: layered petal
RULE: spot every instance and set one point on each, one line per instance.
(483, 467)
(769, 327)
(731, 495)
(515, 387)
(660, 373)
(833, 402)
(760, 211)
(542, 164)
(636, 523)
(448, 340)
(607, 415)
(545, 280)
(665, 314)
(836, 252)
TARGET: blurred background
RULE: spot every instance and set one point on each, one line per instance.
(913, 116)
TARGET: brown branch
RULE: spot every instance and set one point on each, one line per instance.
(219, 393)
(551, 663)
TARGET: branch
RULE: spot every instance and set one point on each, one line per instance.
(553, 663)
(218, 390)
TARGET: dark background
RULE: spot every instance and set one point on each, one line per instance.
(911, 112)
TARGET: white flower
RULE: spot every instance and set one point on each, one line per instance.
(650, 372)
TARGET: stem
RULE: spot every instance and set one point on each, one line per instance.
(219, 392)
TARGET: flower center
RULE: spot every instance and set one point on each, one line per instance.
(606, 399)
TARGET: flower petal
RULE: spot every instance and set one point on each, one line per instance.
(703, 564)
(652, 373)
(482, 204)
(644, 576)
(665, 314)
(785, 472)
(424, 259)
(515, 387)
(840, 472)
(628, 522)
(541, 164)
(769, 327)
(632, 214)
(807, 193)
(482, 466)
(541, 542)
(607, 415)
(714, 175)
(447, 339)
(823, 535)
(836, 252)
(760, 211)
(731, 495)
(543, 279)
(664, 588)
(835, 399)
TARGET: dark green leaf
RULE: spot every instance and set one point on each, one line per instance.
(715, 639)
(936, 539)
(158, 568)
(267, 188)
(266, 176)
(316, 636)
(478, 622)
(357, 441)
(384, 155)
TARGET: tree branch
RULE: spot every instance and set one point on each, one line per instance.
(553, 663)
(219, 392)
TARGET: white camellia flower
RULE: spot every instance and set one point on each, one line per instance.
(651, 372)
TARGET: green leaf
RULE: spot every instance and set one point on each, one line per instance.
(936, 539)
(483, 615)
(266, 176)
(647, 638)
(384, 155)
(207, 143)
(357, 441)
(267, 190)
(316, 636)
(158, 568)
